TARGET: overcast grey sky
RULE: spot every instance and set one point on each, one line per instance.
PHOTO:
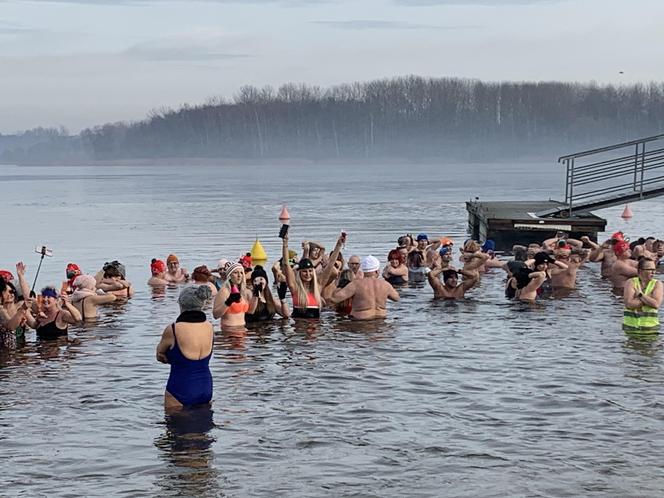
(79, 63)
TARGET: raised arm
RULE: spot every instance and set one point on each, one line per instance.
(476, 260)
(325, 276)
(433, 279)
(22, 282)
(71, 315)
(285, 266)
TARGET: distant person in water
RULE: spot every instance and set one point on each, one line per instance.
(175, 273)
(86, 299)
(642, 296)
(203, 276)
(369, 294)
(55, 315)
(72, 271)
(187, 346)
(450, 287)
(262, 305)
(396, 271)
(158, 271)
(232, 301)
(354, 266)
(114, 281)
(624, 268)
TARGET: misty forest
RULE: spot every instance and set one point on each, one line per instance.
(409, 117)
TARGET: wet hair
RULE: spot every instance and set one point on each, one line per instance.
(395, 254)
(3, 288)
(112, 271)
(522, 277)
(520, 253)
(471, 246)
(643, 261)
(447, 274)
(345, 277)
(415, 259)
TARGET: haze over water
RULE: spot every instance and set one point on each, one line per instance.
(478, 398)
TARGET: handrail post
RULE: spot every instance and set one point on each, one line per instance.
(643, 167)
(636, 166)
(571, 187)
(567, 180)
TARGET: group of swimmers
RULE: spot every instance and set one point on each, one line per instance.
(239, 292)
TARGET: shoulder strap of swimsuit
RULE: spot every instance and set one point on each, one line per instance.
(175, 337)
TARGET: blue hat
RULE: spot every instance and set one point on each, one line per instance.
(443, 251)
(489, 245)
(422, 236)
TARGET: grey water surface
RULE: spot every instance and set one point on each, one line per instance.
(477, 398)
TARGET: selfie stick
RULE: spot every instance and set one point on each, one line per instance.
(43, 253)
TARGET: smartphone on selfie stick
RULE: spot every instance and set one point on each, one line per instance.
(44, 251)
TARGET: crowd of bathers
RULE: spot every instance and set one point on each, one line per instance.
(240, 291)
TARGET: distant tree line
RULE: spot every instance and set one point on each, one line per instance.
(404, 117)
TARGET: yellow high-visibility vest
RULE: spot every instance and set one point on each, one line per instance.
(643, 318)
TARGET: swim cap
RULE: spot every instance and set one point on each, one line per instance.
(73, 270)
(305, 264)
(157, 266)
(620, 247)
(6, 275)
(422, 236)
(444, 250)
(369, 264)
(230, 267)
(258, 272)
(618, 236)
(193, 298)
(85, 282)
(489, 245)
(172, 258)
(446, 241)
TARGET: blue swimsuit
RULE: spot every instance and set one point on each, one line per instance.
(190, 381)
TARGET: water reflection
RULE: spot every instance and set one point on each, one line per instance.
(185, 446)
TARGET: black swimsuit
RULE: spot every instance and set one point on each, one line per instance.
(261, 314)
(50, 330)
(396, 280)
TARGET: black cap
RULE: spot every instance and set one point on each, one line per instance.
(305, 264)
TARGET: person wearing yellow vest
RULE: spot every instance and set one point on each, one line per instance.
(643, 297)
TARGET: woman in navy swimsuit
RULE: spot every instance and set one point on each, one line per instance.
(187, 346)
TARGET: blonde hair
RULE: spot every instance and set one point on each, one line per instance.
(229, 285)
(301, 290)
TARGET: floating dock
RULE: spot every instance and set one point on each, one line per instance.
(516, 222)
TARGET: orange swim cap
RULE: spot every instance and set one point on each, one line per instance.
(172, 258)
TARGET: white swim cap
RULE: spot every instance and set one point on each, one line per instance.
(369, 264)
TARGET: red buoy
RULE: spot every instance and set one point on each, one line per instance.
(627, 213)
(284, 216)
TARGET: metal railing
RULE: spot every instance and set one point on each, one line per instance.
(610, 175)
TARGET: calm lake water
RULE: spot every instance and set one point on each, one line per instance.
(477, 398)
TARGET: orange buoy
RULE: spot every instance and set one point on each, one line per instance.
(627, 213)
(284, 216)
